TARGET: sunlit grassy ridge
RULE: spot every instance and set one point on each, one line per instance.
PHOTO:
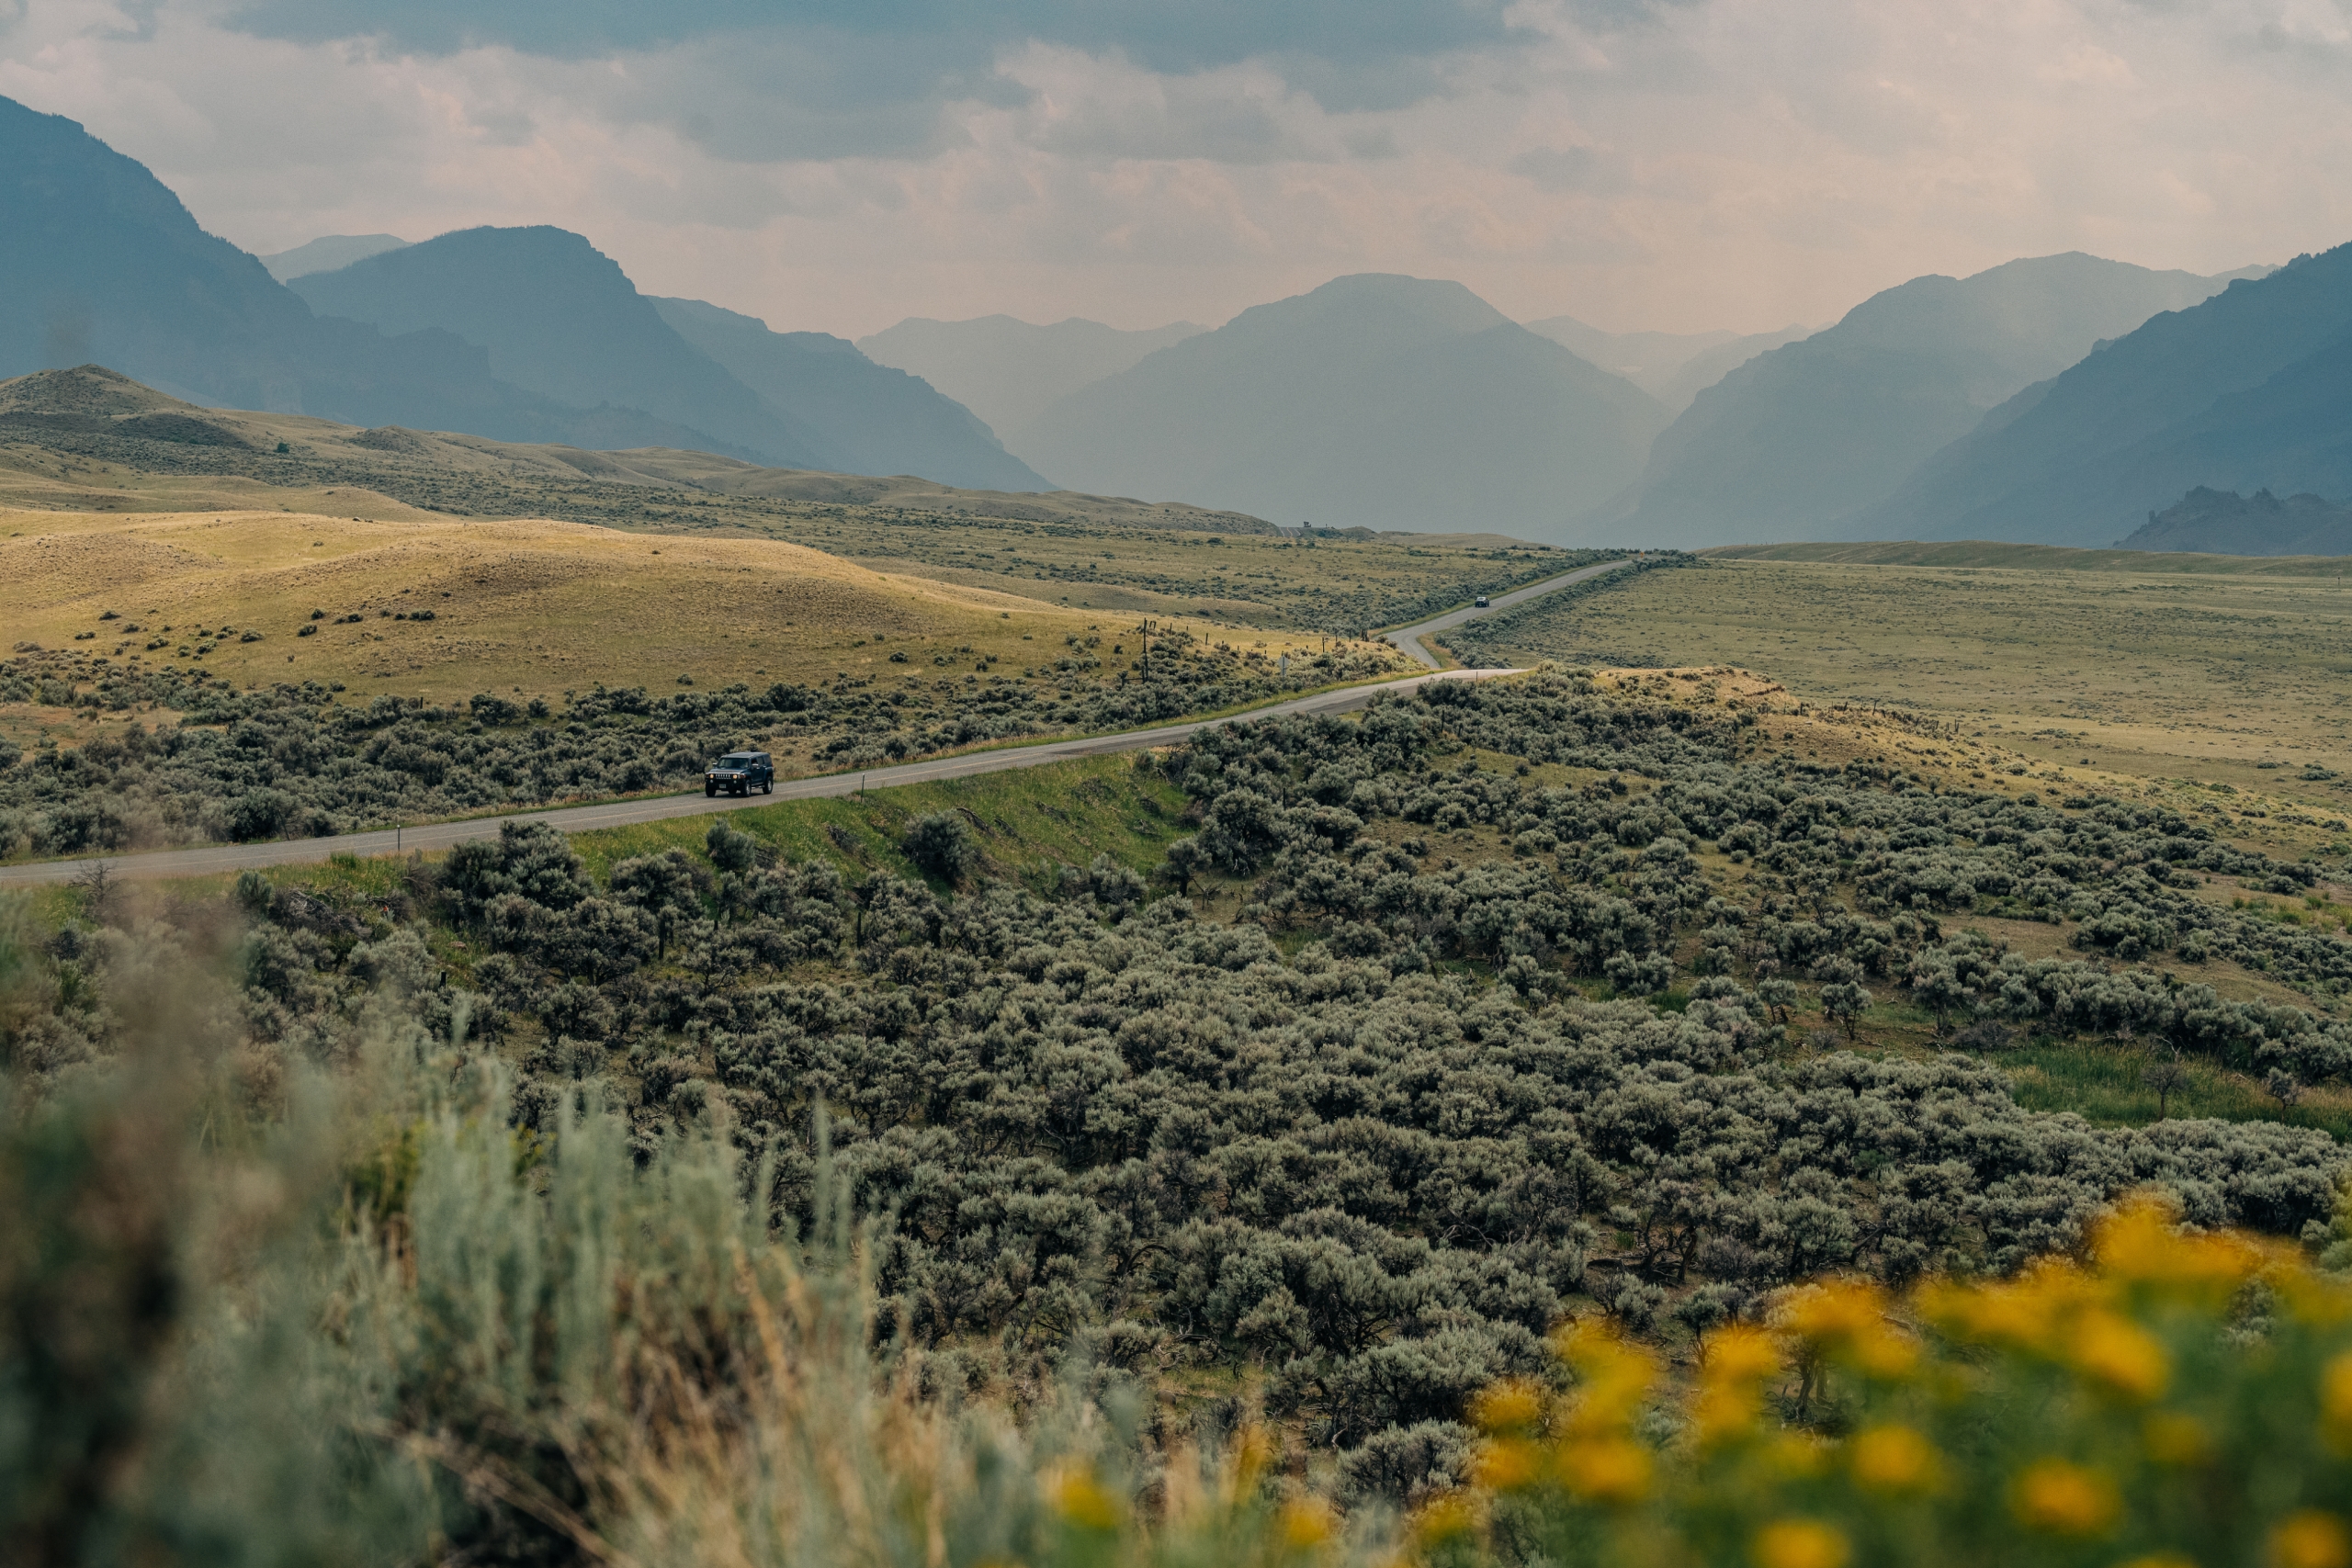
(1108, 553)
(539, 606)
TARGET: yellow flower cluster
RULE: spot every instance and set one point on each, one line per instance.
(2170, 1398)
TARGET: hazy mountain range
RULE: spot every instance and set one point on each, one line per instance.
(1009, 372)
(2225, 522)
(562, 319)
(1796, 442)
(100, 262)
(1673, 367)
(327, 252)
(1376, 401)
(2250, 390)
(517, 334)
(2059, 398)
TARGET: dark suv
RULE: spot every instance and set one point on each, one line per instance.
(739, 772)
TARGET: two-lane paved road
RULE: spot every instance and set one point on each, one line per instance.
(619, 813)
(1410, 638)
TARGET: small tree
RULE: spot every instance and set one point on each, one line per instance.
(1779, 995)
(96, 885)
(941, 845)
(730, 850)
(1844, 1002)
(2167, 1074)
(1183, 861)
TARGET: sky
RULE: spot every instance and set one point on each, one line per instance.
(1643, 165)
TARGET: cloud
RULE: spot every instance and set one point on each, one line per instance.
(1587, 169)
(1637, 162)
(1161, 37)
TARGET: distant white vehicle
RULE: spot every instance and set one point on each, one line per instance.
(1480, 603)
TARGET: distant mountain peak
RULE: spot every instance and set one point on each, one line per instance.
(1007, 370)
(328, 253)
(1799, 442)
(1373, 399)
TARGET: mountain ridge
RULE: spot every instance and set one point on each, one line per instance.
(1375, 400)
(1006, 370)
(2245, 390)
(1807, 436)
(1673, 367)
(2212, 521)
(862, 416)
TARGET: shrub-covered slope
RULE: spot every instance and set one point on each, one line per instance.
(1360, 1139)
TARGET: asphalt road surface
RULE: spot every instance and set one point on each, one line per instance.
(1410, 638)
(618, 812)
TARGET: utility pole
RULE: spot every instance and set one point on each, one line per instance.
(1147, 650)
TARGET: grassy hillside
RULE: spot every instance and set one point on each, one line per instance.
(2034, 558)
(532, 608)
(2222, 691)
(76, 445)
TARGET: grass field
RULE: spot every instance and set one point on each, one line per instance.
(1107, 554)
(513, 605)
(2222, 690)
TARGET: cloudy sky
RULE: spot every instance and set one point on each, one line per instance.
(1679, 164)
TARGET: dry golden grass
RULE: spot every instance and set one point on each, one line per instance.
(542, 606)
(2213, 692)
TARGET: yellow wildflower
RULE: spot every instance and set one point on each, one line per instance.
(1611, 1469)
(2118, 1352)
(2309, 1297)
(2141, 1242)
(1800, 1543)
(1308, 1523)
(2311, 1540)
(1077, 1496)
(1849, 1317)
(1506, 1464)
(1796, 1456)
(1613, 1377)
(2176, 1439)
(1738, 1359)
(1252, 1452)
(1444, 1518)
(1740, 1353)
(1892, 1459)
(1513, 1406)
(2023, 1312)
(2065, 1498)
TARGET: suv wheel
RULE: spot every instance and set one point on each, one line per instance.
(709, 790)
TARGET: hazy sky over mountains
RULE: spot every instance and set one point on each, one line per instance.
(1637, 163)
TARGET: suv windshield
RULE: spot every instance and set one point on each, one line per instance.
(736, 762)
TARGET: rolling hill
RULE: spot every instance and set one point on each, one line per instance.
(512, 602)
(1798, 440)
(55, 424)
(1374, 401)
(1007, 371)
(2249, 390)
